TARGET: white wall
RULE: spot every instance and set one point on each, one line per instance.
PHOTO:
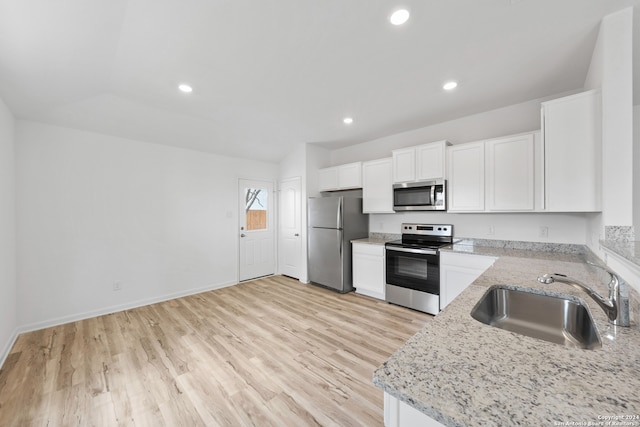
(611, 70)
(617, 124)
(514, 119)
(563, 228)
(636, 170)
(95, 209)
(8, 299)
(317, 158)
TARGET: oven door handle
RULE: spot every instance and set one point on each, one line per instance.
(413, 251)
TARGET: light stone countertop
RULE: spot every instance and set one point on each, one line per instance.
(371, 241)
(464, 373)
(378, 238)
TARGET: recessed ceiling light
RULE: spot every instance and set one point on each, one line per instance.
(348, 120)
(450, 85)
(399, 17)
(185, 88)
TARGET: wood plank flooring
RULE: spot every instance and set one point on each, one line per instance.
(270, 352)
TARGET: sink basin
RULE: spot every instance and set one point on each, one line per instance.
(556, 319)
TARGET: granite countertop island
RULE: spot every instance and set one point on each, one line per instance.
(461, 372)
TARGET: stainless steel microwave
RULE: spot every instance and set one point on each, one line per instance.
(420, 196)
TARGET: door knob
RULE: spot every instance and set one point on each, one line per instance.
(242, 235)
(296, 234)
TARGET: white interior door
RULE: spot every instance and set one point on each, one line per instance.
(289, 240)
(257, 241)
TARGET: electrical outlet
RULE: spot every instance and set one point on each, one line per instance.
(117, 286)
(544, 231)
(492, 230)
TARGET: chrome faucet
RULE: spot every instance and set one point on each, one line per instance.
(617, 308)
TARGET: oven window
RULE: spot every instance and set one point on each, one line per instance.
(414, 271)
(411, 267)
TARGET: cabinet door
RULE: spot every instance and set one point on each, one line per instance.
(350, 176)
(377, 186)
(328, 179)
(466, 177)
(404, 165)
(458, 271)
(369, 269)
(573, 153)
(430, 161)
(399, 414)
(510, 173)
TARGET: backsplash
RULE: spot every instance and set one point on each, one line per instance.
(530, 246)
(385, 236)
(619, 233)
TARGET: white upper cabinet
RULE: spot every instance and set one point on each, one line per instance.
(430, 161)
(572, 135)
(350, 176)
(328, 179)
(466, 177)
(496, 175)
(343, 177)
(404, 165)
(377, 186)
(510, 173)
(419, 163)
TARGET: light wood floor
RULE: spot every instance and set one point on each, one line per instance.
(268, 352)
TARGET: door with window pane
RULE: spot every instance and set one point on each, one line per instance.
(257, 243)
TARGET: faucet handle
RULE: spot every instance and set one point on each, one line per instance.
(614, 277)
(618, 293)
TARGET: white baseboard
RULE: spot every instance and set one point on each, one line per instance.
(4, 353)
(113, 309)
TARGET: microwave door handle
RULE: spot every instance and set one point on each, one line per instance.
(433, 195)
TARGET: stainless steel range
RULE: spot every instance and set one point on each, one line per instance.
(413, 266)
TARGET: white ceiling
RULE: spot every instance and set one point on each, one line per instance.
(271, 74)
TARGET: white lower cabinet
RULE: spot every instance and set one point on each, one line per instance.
(459, 270)
(369, 269)
(399, 414)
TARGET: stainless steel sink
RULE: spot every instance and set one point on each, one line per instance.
(555, 319)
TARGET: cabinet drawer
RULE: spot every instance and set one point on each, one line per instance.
(368, 249)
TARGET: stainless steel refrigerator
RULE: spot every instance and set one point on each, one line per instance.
(333, 222)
